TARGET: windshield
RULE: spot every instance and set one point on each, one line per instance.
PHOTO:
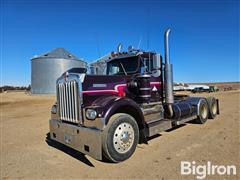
(122, 66)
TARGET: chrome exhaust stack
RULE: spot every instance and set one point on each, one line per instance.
(168, 74)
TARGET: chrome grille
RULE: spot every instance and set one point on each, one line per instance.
(68, 100)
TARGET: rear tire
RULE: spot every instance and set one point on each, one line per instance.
(203, 112)
(120, 137)
(213, 107)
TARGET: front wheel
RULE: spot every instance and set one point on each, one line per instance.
(120, 137)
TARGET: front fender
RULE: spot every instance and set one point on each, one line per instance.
(115, 104)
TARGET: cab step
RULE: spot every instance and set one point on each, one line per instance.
(157, 126)
(184, 120)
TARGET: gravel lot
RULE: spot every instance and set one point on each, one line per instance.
(26, 155)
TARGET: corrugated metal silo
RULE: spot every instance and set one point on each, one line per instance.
(48, 67)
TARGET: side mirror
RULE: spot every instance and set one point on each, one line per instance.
(156, 71)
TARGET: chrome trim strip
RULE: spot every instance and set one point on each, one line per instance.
(145, 96)
(75, 95)
(145, 89)
(72, 100)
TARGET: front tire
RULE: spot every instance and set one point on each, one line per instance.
(120, 137)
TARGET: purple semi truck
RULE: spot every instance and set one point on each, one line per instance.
(108, 115)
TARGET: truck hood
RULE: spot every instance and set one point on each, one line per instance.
(96, 86)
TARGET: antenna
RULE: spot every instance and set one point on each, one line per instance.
(139, 42)
(119, 48)
(98, 44)
(148, 28)
(148, 40)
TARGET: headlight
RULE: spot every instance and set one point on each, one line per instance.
(54, 109)
(91, 114)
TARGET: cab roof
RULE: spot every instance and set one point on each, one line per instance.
(129, 54)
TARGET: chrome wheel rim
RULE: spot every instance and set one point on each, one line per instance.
(214, 108)
(204, 112)
(123, 137)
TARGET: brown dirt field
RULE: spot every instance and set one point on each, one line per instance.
(26, 155)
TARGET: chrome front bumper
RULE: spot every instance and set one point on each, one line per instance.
(85, 140)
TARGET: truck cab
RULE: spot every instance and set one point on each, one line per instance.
(108, 115)
(132, 62)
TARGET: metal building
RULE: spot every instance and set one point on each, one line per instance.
(48, 67)
(99, 66)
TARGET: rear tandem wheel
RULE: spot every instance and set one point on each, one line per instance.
(203, 112)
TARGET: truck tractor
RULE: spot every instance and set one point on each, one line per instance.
(106, 116)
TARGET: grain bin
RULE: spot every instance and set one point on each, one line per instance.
(99, 66)
(48, 67)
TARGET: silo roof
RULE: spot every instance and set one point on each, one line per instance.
(60, 53)
(101, 59)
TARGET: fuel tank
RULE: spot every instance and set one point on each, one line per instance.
(186, 108)
(182, 110)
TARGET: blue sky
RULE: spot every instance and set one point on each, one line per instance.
(204, 40)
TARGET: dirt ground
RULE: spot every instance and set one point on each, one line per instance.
(26, 155)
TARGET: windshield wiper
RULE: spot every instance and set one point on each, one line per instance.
(123, 69)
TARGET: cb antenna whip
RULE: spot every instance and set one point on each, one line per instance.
(139, 42)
